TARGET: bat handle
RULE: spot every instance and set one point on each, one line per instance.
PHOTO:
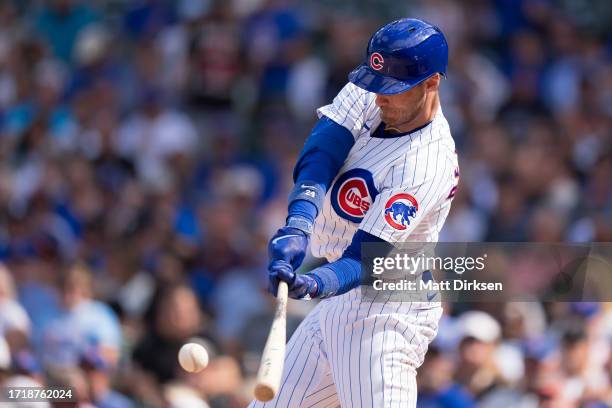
(282, 295)
(273, 356)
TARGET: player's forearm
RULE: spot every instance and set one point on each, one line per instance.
(336, 278)
(344, 274)
(320, 160)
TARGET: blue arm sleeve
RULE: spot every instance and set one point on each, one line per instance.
(322, 156)
(344, 274)
(324, 153)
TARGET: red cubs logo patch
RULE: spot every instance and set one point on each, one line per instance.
(354, 197)
(399, 209)
(353, 194)
(376, 61)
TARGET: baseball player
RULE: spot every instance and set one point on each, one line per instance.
(379, 166)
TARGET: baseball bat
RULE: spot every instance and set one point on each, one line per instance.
(273, 356)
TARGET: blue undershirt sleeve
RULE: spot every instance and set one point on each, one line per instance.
(320, 160)
(344, 274)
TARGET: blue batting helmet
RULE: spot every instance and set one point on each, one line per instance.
(400, 55)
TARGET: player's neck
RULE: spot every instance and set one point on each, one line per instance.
(425, 116)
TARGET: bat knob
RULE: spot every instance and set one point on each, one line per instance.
(264, 392)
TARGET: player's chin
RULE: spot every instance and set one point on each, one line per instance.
(389, 119)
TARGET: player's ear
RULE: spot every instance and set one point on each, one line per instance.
(433, 82)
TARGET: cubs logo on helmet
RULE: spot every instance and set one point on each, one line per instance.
(399, 209)
(353, 194)
(376, 61)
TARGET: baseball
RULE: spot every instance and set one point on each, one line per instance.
(193, 357)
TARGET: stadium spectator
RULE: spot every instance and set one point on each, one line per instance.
(83, 323)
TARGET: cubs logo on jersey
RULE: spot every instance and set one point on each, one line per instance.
(353, 194)
(399, 209)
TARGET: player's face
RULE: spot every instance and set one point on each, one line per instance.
(399, 109)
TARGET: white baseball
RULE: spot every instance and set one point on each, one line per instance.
(193, 357)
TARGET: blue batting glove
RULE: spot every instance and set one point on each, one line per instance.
(300, 286)
(288, 244)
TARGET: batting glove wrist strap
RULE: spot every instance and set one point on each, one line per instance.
(327, 282)
(308, 191)
(301, 223)
(305, 287)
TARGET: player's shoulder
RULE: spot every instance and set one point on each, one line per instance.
(435, 135)
(353, 97)
(352, 108)
(352, 91)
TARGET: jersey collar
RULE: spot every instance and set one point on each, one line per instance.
(381, 133)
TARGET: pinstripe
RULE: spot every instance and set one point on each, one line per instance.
(370, 365)
(342, 387)
(422, 345)
(350, 379)
(363, 324)
(441, 186)
(371, 353)
(366, 110)
(366, 143)
(336, 373)
(332, 235)
(333, 405)
(393, 360)
(424, 200)
(381, 161)
(348, 113)
(346, 94)
(320, 250)
(426, 170)
(352, 92)
(321, 400)
(328, 346)
(300, 376)
(338, 326)
(362, 162)
(376, 144)
(280, 392)
(382, 354)
(435, 174)
(417, 158)
(404, 168)
(413, 334)
(320, 391)
(339, 237)
(436, 166)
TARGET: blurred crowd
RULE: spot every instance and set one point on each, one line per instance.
(146, 150)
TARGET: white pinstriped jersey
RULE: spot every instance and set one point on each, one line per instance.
(351, 350)
(398, 188)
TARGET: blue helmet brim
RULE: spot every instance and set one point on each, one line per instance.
(366, 78)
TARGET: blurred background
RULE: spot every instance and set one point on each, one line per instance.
(146, 150)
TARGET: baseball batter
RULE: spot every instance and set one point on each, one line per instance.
(379, 166)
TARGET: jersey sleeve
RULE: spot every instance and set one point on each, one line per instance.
(415, 184)
(352, 108)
